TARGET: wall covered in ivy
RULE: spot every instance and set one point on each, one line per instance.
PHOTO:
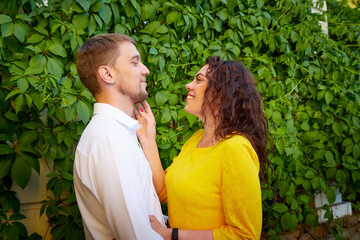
(310, 83)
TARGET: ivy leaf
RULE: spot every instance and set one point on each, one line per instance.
(147, 11)
(16, 216)
(97, 6)
(329, 156)
(191, 118)
(328, 97)
(172, 17)
(115, 10)
(5, 19)
(84, 4)
(136, 6)
(92, 26)
(11, 116)
(259, 4)
(280, 207)
(105, 13)
(276, 116)
(166, 116)
(160, 98)
(12, 93)
(289, 221)
(83, 111)
(98, 20)
(12, 232)
(309, 174)
(18, 102)
(331, 197)
(356, 151)
(28, 137)
(37, 65)
(337, 128)
(7, 29)
(19, 32)
(173, 100)
(162, 29)
(23, 84)
(54, 68)
(19, 226)
(67, 176)
(38, 101)
(32, 162)
(5, 165)
(310, 219)
(21, 172)
(340, 176)
(57, 49)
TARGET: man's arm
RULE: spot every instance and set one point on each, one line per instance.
(119, 190)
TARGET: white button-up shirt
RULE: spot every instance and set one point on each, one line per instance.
(113, 180)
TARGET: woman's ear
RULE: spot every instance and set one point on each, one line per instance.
(106, 74)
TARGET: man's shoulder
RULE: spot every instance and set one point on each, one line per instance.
(101, 127)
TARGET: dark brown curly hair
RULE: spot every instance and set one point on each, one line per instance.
(236, 105)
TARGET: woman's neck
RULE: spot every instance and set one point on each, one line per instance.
(209, 139)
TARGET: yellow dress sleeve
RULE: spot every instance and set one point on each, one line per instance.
(240, 191)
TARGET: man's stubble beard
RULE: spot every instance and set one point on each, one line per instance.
(135, 97)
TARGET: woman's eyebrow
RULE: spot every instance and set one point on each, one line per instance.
(199, 74)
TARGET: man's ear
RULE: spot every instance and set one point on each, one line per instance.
(106, 74)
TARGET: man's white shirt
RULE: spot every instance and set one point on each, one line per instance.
(113, 180)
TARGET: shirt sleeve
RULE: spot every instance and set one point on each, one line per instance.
(240, 193)
(119, 191)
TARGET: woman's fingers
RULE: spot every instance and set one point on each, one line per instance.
(140, 107)
(136, 113)
(146, 105)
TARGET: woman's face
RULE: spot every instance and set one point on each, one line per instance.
(195, 97)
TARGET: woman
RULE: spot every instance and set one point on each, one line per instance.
(212, 187)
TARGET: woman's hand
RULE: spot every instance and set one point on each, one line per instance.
(146, 119)
(160, 229)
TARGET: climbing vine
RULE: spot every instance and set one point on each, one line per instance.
(309, 81)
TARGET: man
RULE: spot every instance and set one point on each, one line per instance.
(112, 178)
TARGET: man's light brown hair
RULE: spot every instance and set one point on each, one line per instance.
(100, 50)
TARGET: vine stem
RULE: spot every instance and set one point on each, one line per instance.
(292, 90)
(281, 17)
(47, 230)
(47, 163)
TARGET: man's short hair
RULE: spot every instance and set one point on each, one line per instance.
(98, 51)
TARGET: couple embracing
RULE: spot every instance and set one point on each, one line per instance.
(212, 188)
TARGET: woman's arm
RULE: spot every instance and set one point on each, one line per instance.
(182, 234)
(146, 136)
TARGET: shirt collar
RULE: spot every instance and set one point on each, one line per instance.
(117, 114)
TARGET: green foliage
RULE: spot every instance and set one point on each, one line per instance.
(309, 82)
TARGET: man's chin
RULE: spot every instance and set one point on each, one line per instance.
(141, 97)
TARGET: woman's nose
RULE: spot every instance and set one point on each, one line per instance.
(188, 86)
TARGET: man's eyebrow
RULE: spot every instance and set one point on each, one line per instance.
(136, 57)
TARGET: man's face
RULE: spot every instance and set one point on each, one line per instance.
(131, 74)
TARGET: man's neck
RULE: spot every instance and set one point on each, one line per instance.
(121, 102)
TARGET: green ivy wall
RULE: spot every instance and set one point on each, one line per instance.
(309, 82)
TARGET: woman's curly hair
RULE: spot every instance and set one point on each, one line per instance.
(236, 105)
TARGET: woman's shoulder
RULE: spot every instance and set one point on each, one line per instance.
(235, 141)
(239, 147)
